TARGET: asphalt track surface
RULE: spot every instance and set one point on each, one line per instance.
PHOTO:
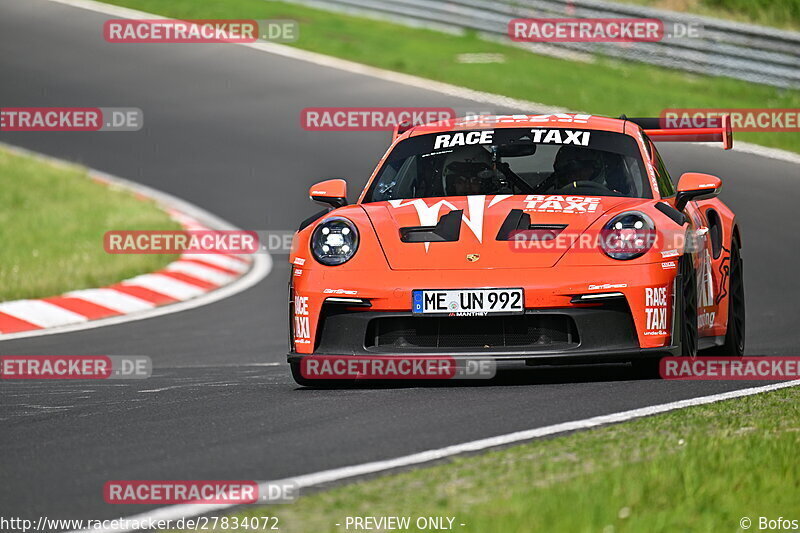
(222, 131)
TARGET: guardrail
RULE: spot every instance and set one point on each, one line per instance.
(744, 51)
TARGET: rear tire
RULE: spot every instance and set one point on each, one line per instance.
(734, 337)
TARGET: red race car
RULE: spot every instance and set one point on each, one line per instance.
(543, 238)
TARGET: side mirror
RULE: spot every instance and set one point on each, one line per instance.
(331, 192)
(696, 186)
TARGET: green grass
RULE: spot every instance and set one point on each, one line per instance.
(605, 87)
(783, 14)
(52, 222)
(697, 469)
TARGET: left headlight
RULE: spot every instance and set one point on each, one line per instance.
(628, 236)
(334, 241)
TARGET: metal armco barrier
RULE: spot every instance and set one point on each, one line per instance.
(744, 51)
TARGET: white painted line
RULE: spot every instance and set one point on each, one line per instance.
(221, 261)
(200, 272)
(174, 288)
(407, 79)
(41, 313)
(174, 512)
(111, 299)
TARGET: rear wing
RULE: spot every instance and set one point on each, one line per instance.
(711, 129)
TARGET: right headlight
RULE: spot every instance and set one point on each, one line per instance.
(334, 241)
(628, 235)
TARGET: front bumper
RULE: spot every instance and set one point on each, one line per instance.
(638, 321)
(599, 333)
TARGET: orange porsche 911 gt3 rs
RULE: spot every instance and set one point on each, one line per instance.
(543, 238)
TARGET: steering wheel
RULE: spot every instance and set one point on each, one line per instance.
(586, 184)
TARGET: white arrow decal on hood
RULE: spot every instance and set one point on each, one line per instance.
(429, 214)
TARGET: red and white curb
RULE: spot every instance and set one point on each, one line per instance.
(190, 281)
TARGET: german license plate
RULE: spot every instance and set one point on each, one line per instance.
(468, 302)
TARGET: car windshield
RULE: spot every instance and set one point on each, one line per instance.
(512, 161)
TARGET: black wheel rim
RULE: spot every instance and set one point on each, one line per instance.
(689, 293)
(736, 318)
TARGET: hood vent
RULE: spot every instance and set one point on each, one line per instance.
(448, 229)
(518, 222)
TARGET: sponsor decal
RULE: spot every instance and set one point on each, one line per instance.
(567, 118)
(651, 172)
(706, 320)
(299, 261)
(648, 148)
(669, 265)
(655, 310)
(463, 138)
(302, 327)
(561, 204)
(724, 274)
(580, 138)
(669, 253)
(485, 118)
(339, 291)
(705, 282)
(298, 271)
(607, 286)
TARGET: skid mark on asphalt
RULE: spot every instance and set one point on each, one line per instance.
(42, 399)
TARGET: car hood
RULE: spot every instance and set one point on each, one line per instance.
(478, 246)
